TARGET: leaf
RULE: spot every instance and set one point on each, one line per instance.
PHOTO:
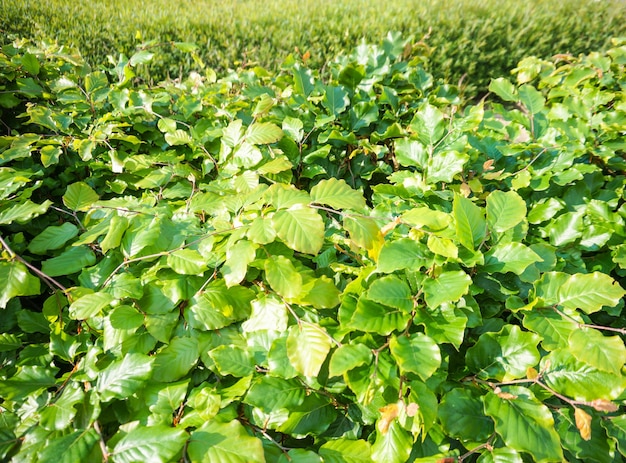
(554, 329)
(232, 360)
(373, 317)
(392, 447)
(583, 423)
(470, 222)
(568, 376)
(447, 287)
(443, 166)
(283, 277)
(23, 212)
(411, 153)
(301, 228)
(158, 444)
(336, 99)
(337, 194)
(268, 313)
(505, 355)
(606, 353)
(365, 232)
(271, 394)
(186, 262)
(216, 441)
(322, 293)
(263, 133)
(79, 196)
(445, 324)
(72, 260)
(59, 414)
(89, 305)
(178, 137)
(525, 424)
(175, 360)
(70, 448)
(218, 306)
(348, 357)
(16, 281)
(530, 97)
(590, 292)
(238, 257)
(392, 292)
(417, 354)
(401, 254)
(511, 257)
(52, 238)
(345, 450)
(504, 89)
(313, 416)
(505, 210)
(500, 455)
(429, 124)
(27, 380)
(124, 376)
(307, 348)
(462, 415)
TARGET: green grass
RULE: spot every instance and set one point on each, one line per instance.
(470, 40)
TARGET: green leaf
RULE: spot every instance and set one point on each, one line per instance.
(187, 262)
(344, 450)
(569, 376)
(322, 293)
(313, 416)
(238, 257)
(263, 133)
(218, 306)
(79, 196)
(271, 394)
(158, 444)
(141, 57)
(337, 194)
(590, 292)
(616, 430)
(447, 287)
(27, 380)
(261, 231)
(124, 376)
(504, 89)
(411, 153)
(23, 212)
(215, 441)
(59, 414)
(232, 360)
(89, 305)
(445, 324)
(606, 353)
(443, 166)
(175, 360)
(505, 355)
(268, 313)
(505, 210)
(364, 231)
(347, 357)
(301, 228)
(470, 222)
(72, 260)
(417, 354)
(597, 448)
(335, 100)
(16, 281)
(401, 254)
(554, 329)
(373, 317)
(511, 257)
(113, 238)
(500, 455)
(524, 423)
(303, 80)
(530, 97)
(429, 124)
(50, 155)
(178, 137)
(307, 348)
(283, 277)
(394, 446)
(462, 415)
(53, 237)
(70, 448)
(391, 291)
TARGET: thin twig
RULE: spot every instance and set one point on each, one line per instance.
(103, 445)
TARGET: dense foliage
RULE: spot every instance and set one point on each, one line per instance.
(274, 267)
(467, 40)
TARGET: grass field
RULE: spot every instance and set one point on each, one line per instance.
(476, 39)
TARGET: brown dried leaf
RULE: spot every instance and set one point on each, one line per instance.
(388, 413)
(411, 409)
(583, 423)
(603, 405)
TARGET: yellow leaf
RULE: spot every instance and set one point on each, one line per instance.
(583, 423)
(531, 373)
(388, 413)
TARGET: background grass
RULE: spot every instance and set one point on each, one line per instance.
(473, 40)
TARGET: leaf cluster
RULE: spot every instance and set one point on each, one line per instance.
(349, 267)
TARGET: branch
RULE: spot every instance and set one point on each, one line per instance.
(51, 282)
